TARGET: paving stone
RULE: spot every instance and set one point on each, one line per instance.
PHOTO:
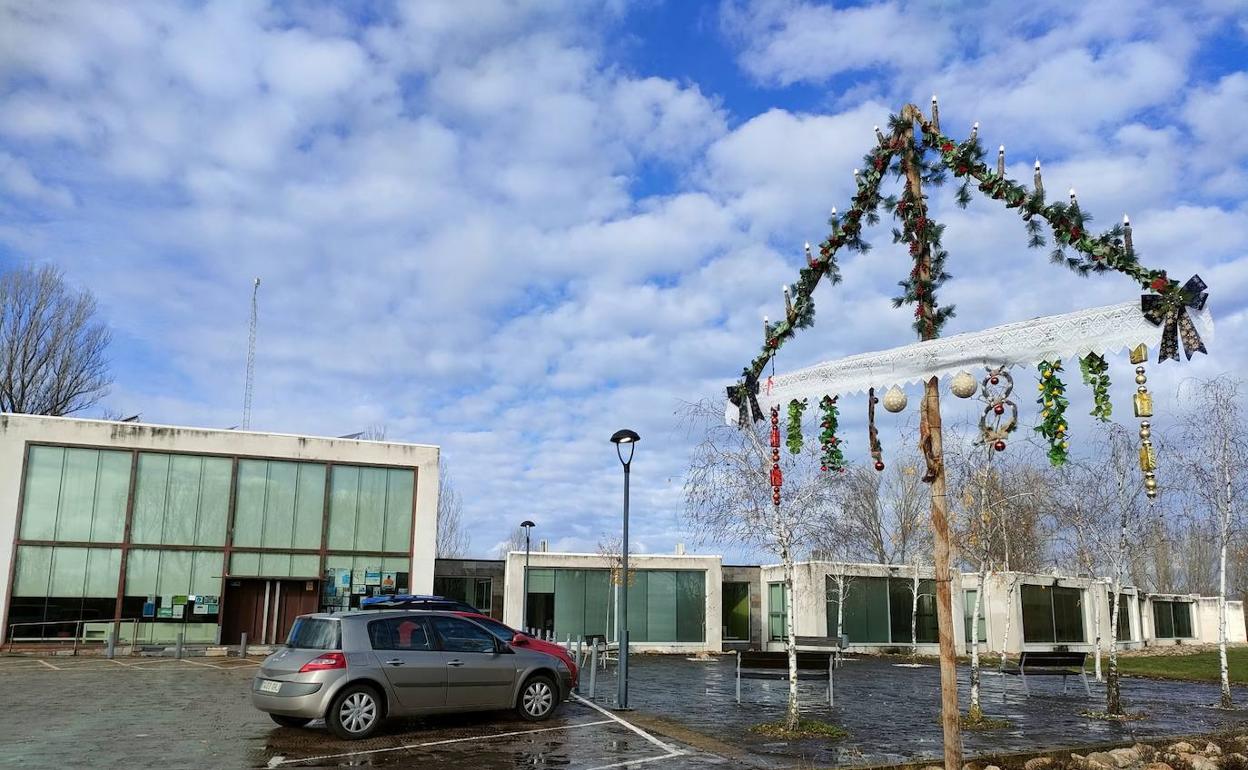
(1037, 763)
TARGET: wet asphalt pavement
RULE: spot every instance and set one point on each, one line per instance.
(90, 712)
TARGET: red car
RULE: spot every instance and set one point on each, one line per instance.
(509, 635)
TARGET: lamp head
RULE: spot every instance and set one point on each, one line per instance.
(622, 438)
(527, 524)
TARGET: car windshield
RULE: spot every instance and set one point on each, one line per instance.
(313, 634)
(503, 633)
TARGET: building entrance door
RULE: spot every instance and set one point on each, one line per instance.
(264, 608)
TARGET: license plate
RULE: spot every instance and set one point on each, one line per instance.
(268, 685)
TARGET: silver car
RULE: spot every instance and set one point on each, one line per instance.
(354, 669)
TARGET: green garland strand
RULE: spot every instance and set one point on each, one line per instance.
(1095, 370)
(833, 457)
(1110, 250)
(1053, 403)
(794, 427)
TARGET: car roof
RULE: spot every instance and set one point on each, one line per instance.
(374, 614)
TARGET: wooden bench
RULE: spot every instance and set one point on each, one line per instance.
(775, 666)
(1063, 664)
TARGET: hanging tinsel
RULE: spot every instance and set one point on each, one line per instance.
(1095, 370)
(1143, 403)
(873, 435)
(1053, 403)
(833, 458)
(794, 439)
(777, 477)
(994, 426)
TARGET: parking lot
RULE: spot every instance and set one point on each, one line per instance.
(162, 712)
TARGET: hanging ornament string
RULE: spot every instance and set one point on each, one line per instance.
(1143, 403)
(1095, 371)
(873, 435)
(794, 439)
(777, 477)
(1053, 403)
(833, 458)
(998, 384)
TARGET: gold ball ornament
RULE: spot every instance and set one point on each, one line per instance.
(894, 400)
(1140, 379)
(963, 385)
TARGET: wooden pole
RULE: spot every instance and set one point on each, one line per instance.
(933, 453)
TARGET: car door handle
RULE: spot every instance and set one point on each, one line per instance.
(394, 662)
(455, 662)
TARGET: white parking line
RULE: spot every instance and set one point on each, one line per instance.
(671, 750)
(278, 761)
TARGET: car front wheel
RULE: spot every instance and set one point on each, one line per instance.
(355, 713)
(538, 698)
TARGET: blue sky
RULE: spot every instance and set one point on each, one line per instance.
(511, 228)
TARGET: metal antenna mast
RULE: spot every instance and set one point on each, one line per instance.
(251, 358)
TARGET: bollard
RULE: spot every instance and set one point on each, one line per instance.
(110, 649)
(242, 646)
(593, 671)
(177, 650)
(831, 665)
(580, 661)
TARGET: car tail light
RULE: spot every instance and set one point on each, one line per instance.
(326, 662)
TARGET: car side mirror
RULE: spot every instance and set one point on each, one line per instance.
(519, 640)
(501, 647)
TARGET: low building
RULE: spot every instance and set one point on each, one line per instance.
(478, 582)
(205, 533)
(674, 601)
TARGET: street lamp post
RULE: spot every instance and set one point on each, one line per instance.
(621, 438)
(524, 605)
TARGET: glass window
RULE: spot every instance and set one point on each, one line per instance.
(63, 583)
(1037, 604)
(661, 606)
(1068, 614)
(280, 504)
(458, 635)
(408, 634)
(501, 632)
(1172, 620)
(736, 611)
(865, 618)
(1124, 618)
(968, 610)
(75, 494)
(690, 606)
(638, 604)
(777, 607)
(314, 634)
(370, 508)
(180, 499)
(1183, 620)
(901, 598)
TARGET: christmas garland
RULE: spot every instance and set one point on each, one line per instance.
(1053, 403)
(794, 437)
(1110, 250)
(1095, 370)
(833, 457)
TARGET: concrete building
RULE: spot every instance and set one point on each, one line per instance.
(674, 601)
(211, 533)
(478, 582)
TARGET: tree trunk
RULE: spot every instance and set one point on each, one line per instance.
(1096, 623)
(1224, 531)
(791, 715)
(1009, 613)
(914, 613)
(1113, 694)
(976, 712)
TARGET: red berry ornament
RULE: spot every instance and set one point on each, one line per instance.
(879, 466)
(999, 408)
(999, 446)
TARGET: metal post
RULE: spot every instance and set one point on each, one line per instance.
(622, 669)
(177, 650)
(134, 637)
(738, 677)
(110, 644)
(242, 646)
(524, 605)
(77, 634)
(831, 666)
(593, 671)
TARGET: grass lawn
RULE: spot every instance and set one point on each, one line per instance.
(1201, 666)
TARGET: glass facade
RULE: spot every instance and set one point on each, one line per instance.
(1172, 620)
(878, 610)
(663, 605)
(1124, 618)
(736, 612)
(777, 612)
(191, 521)
(968, 610)
(476, 591)
(1052, 614)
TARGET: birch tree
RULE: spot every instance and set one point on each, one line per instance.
(1214, 455)
(1101, 503)
(728, 499)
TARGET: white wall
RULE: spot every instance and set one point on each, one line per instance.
(513, 600)
(17, 431)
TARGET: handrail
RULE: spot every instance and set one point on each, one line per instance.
(78, 629)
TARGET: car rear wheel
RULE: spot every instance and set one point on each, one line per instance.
(355, 713)
(538, 698)
(286, 721)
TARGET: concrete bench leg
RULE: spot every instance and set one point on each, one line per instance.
(1086, 687)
